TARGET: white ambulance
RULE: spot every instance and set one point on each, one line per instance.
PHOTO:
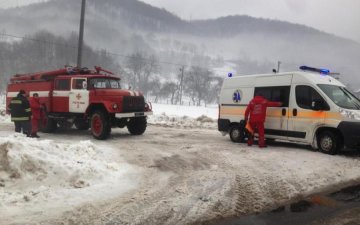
(317, 109)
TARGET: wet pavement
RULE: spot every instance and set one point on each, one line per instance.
(340, 208)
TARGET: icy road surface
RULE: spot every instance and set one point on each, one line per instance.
(167, 176)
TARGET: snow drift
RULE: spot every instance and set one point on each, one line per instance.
(56, 175)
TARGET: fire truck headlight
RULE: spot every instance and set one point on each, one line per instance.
(115, 106)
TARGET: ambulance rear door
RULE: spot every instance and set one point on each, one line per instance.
(275, 88)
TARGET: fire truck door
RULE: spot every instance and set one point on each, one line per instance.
(79, 95)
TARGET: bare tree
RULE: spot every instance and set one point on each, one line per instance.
(198, 84)
(170, 89)
(155, 91)
(45, 51)
(215, 87)
(142, 70)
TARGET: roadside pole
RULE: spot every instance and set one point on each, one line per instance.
(81, 34)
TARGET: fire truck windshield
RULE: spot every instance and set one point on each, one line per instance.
(104, 83)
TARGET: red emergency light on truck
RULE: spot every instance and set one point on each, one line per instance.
(86, 98)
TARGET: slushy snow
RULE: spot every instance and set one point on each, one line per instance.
(42, 179)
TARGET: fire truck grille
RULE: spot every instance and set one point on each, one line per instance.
(133, 104)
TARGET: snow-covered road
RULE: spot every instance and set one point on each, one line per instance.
(180, 176)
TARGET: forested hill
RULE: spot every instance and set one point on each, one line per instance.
(139, 16)
(250, 45)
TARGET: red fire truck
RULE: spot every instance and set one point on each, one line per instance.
(84, 98)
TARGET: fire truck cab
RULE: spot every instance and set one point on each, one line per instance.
(84, 98)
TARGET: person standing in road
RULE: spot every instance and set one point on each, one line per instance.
(257, 112)
(36, 114)
(20, 113)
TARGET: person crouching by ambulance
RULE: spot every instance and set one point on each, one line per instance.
(20, 111)
(257, 112)
(36, 112)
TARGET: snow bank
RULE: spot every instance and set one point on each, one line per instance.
(43, 174)
(183, 121)
(184, 116)
(188, 111)
(3, 116)
(169, 115)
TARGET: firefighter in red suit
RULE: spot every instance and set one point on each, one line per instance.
(257, 112)
(36, 114)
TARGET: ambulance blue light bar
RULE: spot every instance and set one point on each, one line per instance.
(317, 70)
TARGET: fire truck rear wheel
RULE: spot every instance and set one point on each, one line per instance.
(100, 125)
(137, 125)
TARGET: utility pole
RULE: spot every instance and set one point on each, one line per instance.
(278, 68)
(181, 83)
(81, 33)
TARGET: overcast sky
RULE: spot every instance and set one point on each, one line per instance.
(340, 17)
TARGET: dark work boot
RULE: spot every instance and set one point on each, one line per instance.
(35, 135)
(250, 140)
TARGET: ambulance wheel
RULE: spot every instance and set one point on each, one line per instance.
(236, 135)
(100, 125)
(81, 124)
(329, 142)
(137, 125)
(48, 125)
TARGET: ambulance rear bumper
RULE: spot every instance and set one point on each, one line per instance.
(134, 114)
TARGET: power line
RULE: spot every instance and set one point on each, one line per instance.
(38, 40)
(99, 51)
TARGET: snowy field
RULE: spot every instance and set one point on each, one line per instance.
(184, 116)
(181, 171)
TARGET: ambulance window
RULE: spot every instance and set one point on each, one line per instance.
(265, 92)
(275, 94)
(62, 84)
(305, 95)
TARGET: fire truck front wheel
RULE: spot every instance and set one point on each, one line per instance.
(100, 125)
(137, 125)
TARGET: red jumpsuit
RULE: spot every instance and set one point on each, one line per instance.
(36, 112)
(257, 110)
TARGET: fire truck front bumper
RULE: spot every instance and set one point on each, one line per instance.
(134, 114)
